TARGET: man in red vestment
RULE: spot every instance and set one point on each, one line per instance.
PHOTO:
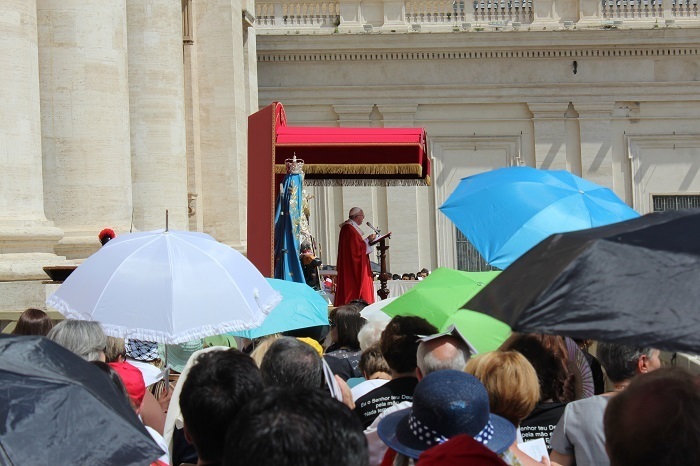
(354, 279)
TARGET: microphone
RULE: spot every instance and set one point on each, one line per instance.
(376, 230)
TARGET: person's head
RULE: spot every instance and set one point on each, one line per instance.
(622, 362)
(405, 277)
(370, 333)
(372, 361)
(549, 357)
(399, 342)
(132, 379)
(445, 404)
(83, 337)
(655, 420)
(292, 363)
(115, 378)
(511, 382)
(357, 215)
(396, 276)
(296, 426)
(411, 276)
(446, 352)
(115, 350)
(218, 385)
(359, 303)
(262, 346)
(346, 322)
(106, 235)
(142, 350)
(33, 322)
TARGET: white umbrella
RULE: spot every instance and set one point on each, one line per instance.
(374, 311)
(167, 287)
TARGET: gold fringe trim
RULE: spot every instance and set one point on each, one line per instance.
(358, 169)
(366, 182)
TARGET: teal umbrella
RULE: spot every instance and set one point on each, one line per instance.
(301, 307)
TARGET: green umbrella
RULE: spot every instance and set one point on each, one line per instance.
(438, 299)
(484, 332)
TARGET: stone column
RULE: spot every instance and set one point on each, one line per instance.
(85, 119)
(27, 239)
(250, 57)
(192, 131)
(222, 119)
(596, 141)
(157, 114)
(407, 207)
(550, 134)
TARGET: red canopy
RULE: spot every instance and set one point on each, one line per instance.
(353, 156)
(332, 156)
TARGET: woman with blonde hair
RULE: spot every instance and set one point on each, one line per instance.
(513, 388)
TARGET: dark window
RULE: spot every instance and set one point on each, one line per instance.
(675, 202)
(468, 258)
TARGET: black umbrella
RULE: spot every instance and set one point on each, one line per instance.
(56, 408)
(635, 282)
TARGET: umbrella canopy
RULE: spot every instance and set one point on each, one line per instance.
(168, 287)
(632, 283)
(438, 298)
(483, 332)
(59, 409)
(374, 312)
(439, 295)
(506, 212)
(301, 307)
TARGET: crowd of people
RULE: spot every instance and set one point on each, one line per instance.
(397, 393)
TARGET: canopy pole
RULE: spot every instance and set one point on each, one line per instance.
(166, 220)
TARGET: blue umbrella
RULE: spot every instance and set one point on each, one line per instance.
(301, 307)
(505, 212)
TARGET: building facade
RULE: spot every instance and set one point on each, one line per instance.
(608, 90)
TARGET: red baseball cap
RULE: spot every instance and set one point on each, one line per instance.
(132, 380)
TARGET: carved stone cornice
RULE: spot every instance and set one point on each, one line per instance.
(508, 45)
(530, 53)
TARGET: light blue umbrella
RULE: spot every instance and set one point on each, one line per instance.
(301, 307)
(505, 212)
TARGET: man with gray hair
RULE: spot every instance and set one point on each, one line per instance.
(441, 352)
(354, 279)
(292, 363)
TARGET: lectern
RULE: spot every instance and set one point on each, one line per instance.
(383, 291)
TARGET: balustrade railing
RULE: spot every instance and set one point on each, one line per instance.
(503, 10)
(297, 14)
(632, 9)
(349, 15)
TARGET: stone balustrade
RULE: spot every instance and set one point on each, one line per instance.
(356, 16)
